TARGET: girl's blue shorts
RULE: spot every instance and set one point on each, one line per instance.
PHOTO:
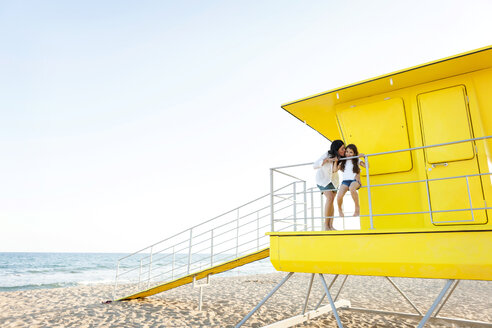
(349, 182)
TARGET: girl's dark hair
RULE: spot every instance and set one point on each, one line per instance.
(355, 161)
(335, 146)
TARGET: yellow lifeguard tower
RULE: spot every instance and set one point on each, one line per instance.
(427, 132)
(427, 135)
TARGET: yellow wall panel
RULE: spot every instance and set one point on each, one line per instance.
(445, 118)
(378, 127)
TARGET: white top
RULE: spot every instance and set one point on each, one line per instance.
(324, 173)
(348, 173)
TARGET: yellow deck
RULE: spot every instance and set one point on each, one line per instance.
(256, 256)
(443, 255)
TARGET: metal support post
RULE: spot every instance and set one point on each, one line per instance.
(322, 210)
(333, 307)
(436, 302)
(237, 234)
(324, 295)
(447, 297)
(140, 273)
(429, 200)
(305, 205)
(469, 197)
(150, 265)
(308, 293)
(340, 290)
(172, 266)
(200, 299)
(366, 158)
(264, 299)
(258, 230)
(200, 287)
(343, 222)
(272, 220)
(116, 280)
(312, 210)
(404, 296)
(212, 248)
(295, 205)
(189, 251)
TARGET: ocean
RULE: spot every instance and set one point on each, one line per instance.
(24, 271)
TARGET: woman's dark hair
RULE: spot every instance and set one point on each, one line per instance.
(355, 161)
(335, 146)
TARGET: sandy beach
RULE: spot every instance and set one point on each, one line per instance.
(228, 299)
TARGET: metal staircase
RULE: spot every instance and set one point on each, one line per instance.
(232, 239)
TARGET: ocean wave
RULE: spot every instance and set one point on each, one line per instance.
(36, 286)
(60, 269)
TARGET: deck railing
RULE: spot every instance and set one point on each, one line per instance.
(313, 201)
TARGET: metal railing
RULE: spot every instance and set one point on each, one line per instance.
(311, 203)
(228, 236)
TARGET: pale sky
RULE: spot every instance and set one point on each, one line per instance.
(123, 122)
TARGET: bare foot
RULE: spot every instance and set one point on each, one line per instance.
(357, 212)
(340, 212)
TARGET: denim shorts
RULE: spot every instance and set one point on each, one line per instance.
(349, 182)
(329, 187)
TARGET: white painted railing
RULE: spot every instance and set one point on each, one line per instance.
(223, 238)
(308, 200)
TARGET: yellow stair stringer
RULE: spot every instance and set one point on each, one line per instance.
(252, 257)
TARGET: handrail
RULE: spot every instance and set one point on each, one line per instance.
(291, 176)
(401, 213)
(392, 151)
(293, 194)
(398, 183)
(198, 225)
(205, 232)
(183, 252)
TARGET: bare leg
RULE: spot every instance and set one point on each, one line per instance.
(341, 192)
(355, 196)
(329, 209)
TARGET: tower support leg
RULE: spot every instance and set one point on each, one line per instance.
(333, 307)
(436, 303)
(308, 293)
(264, 300)
(404, 295)
(323, 297)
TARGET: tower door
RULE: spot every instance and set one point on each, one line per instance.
(444, 116)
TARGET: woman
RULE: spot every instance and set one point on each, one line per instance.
(327, 181)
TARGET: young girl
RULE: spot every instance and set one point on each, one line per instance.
(350, 178)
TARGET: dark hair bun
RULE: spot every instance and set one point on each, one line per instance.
(335, 146)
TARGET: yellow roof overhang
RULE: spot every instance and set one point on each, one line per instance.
(318, 111)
